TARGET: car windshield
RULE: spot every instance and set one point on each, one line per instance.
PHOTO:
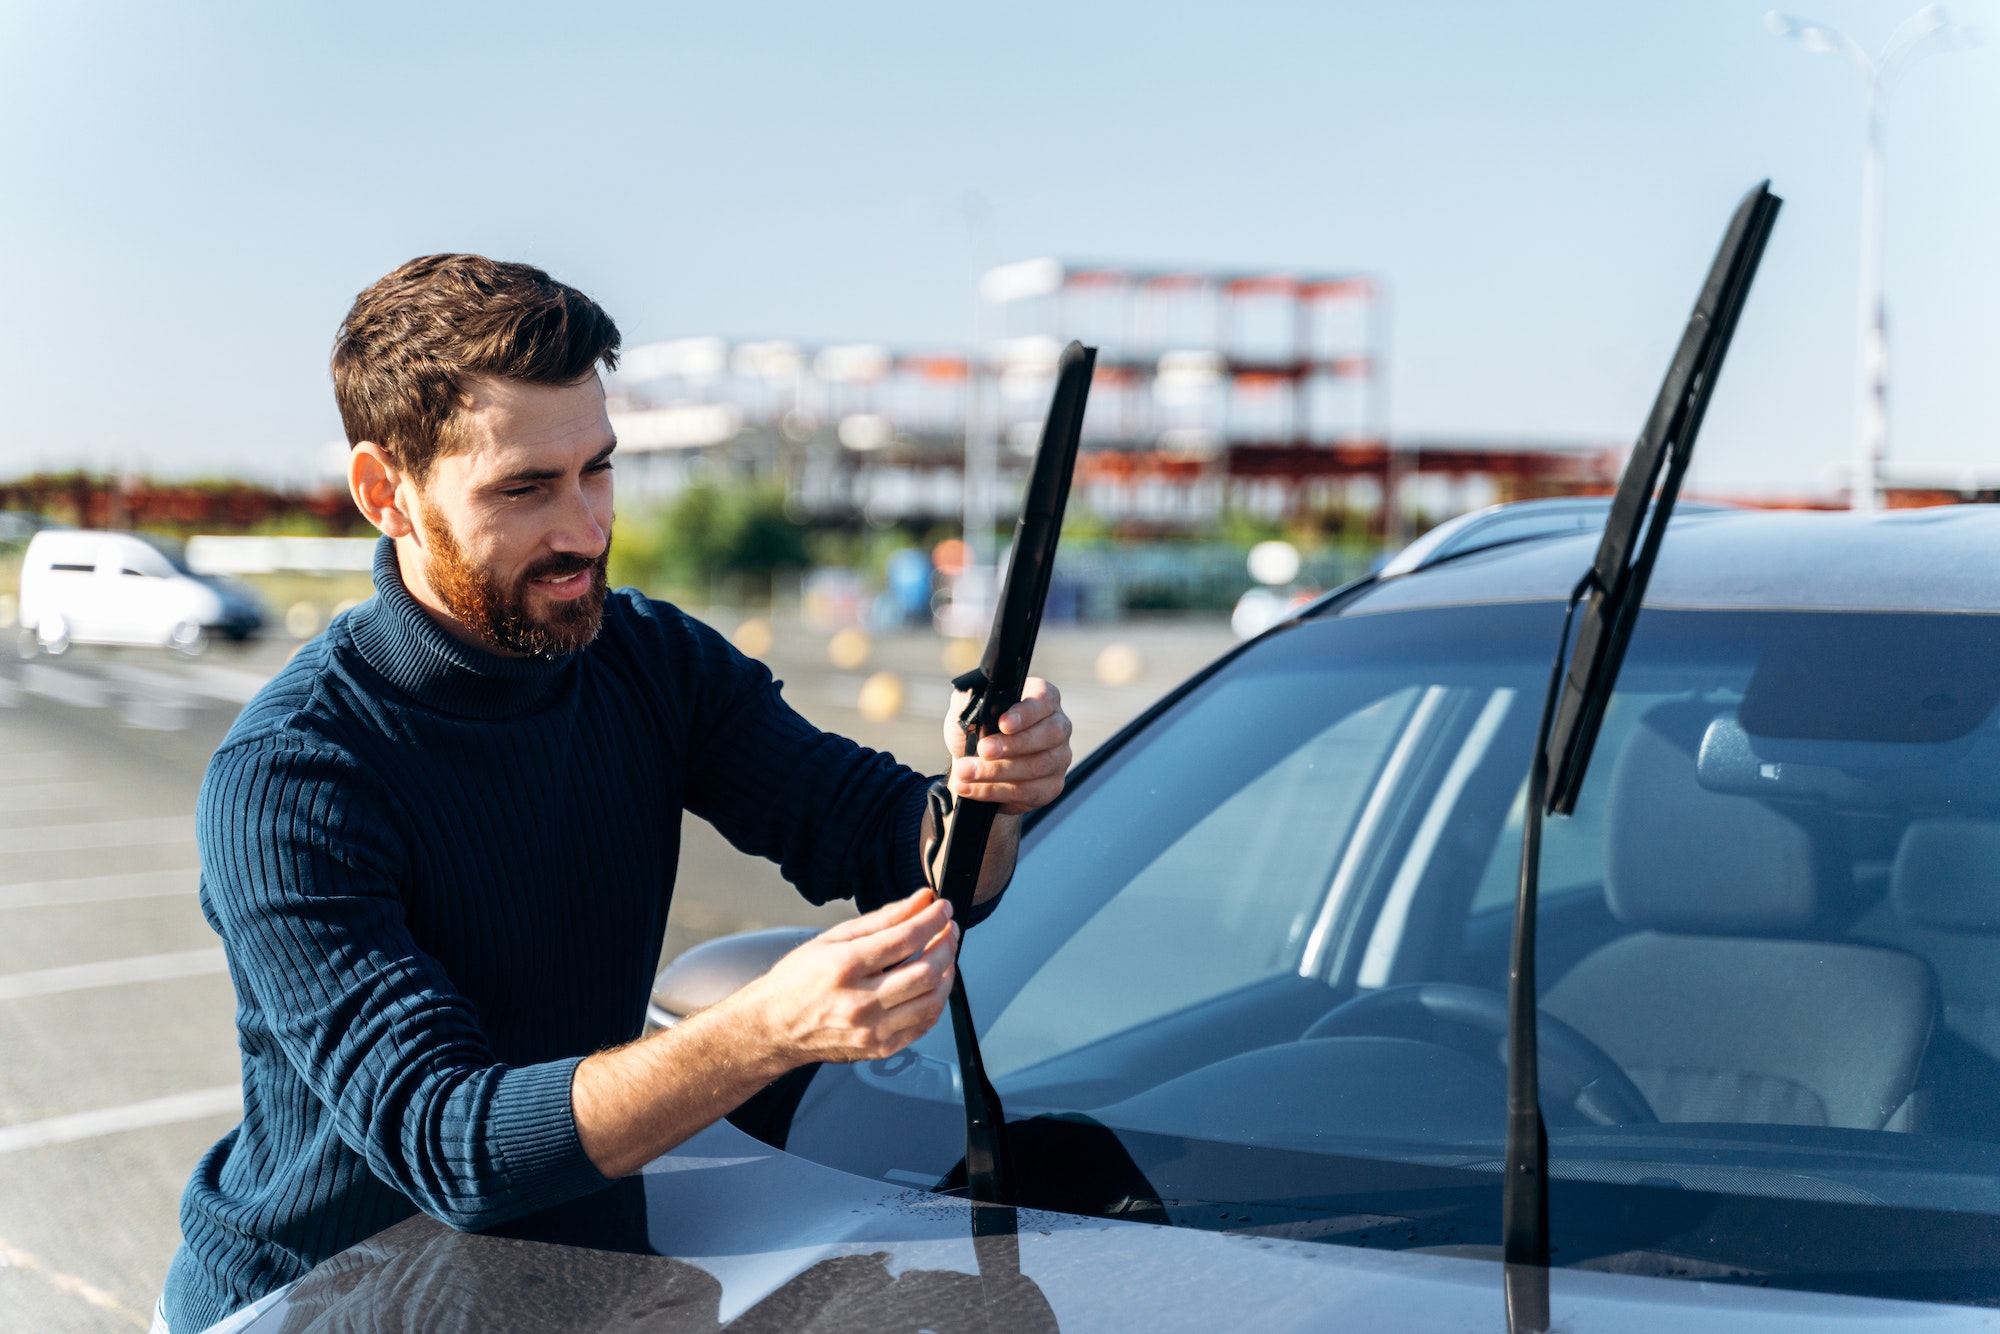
(1250, 972)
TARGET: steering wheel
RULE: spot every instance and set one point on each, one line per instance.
(1576, 1073)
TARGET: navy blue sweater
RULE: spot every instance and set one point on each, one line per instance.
(442, 878)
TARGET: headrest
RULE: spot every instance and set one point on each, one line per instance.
(1947, 875)
(1681, 858)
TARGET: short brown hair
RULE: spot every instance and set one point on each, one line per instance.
(411, 339)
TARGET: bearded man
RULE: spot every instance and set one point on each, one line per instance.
(440, 845)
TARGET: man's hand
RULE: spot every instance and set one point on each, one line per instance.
(861, 991)
(1021, 767)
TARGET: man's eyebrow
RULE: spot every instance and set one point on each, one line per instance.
(551, 474)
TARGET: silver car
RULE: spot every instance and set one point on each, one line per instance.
(1244, 999)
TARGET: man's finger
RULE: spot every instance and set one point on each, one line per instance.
(873, 953)
(917, 1013)
(918, 977)
(1039, 699)
(1047, 734)
(882, 918)
(1013, 798)
(1013, 769)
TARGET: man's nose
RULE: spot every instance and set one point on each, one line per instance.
(580, 529)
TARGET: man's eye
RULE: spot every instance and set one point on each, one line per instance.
(602, 465)
(518, 492)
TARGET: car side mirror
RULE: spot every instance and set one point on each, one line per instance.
(714, 969)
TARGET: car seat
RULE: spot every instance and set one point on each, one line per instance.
(1720, 1005)
(1944, 906)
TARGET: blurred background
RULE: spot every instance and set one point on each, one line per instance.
(1353, 271)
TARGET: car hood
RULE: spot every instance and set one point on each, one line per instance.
(727, 1232)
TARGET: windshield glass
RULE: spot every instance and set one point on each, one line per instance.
(1250, 973)
(168, 547)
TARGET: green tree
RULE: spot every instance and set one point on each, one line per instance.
(705, 534)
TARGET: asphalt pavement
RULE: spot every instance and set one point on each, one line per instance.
(118, 1065)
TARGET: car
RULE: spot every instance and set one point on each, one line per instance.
(81, 586)
(1243, 1000)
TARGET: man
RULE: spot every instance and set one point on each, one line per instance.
(440, 845)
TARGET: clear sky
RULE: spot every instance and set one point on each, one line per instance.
(190, 195)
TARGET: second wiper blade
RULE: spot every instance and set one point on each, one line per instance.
(1610, 593)
(1624, 562)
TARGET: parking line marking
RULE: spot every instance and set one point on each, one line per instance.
(170, 1110)
(101, 834)
(32, 766)
(99, 888)
(13, 1257)
(64, 686)
(113, 973)
(52, 795)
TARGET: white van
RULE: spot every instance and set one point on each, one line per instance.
(80, 586)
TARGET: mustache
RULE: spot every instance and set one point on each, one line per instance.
(562, 566)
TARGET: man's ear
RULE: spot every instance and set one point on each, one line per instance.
(376, 484)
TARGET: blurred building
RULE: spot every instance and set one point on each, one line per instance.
(1263, 393)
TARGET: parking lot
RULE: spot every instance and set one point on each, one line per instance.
(117, 1057)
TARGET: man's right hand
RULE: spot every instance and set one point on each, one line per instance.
(862, 990)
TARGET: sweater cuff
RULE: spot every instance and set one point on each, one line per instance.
(533, 1128)
(908, 864)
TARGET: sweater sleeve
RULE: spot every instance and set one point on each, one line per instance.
(300, 867)
(840, 820)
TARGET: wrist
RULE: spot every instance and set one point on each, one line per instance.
(755, 1032)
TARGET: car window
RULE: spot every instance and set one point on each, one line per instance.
(1230, 901)
(143, 561)
(1572, 846)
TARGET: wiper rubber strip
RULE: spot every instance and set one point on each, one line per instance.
(1609, 595)
(995, 686)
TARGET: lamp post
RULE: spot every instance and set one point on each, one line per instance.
(1871, 405)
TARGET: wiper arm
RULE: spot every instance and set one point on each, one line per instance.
(995, 686)
(1610, 595)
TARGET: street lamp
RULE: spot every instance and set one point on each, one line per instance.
(1871, 409)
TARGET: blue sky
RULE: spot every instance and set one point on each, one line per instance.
(193, 193)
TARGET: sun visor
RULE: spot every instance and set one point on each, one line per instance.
(1899, 681)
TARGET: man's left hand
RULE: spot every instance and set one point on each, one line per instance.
(1021, 767)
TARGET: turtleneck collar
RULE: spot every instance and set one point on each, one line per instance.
(399, 639)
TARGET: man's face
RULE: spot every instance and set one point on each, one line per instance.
(515, 522)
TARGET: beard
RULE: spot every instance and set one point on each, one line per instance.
(498, 612)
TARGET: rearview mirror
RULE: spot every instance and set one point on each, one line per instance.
(701, 976)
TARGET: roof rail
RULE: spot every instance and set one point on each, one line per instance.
(1501, 525)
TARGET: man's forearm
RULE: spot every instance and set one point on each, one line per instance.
(635, 1102)
(998, 866)
(860, 991)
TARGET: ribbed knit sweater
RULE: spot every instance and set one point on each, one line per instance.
(442, 878)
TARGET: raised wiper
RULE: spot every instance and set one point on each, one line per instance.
(1611, 594)
(995, 686)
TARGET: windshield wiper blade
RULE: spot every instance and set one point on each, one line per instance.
(995, 686)
(1610, 595)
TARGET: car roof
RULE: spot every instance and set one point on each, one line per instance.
(1933, 560)
(54, 542)
(86, 541)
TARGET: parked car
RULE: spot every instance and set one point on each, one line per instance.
(1243, 1000)
(80, 586)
